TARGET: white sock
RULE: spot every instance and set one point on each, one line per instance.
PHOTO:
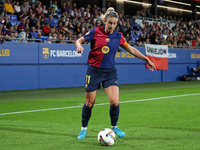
(83, 128)
(113, 127)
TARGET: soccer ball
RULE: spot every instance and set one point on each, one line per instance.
(106, 137)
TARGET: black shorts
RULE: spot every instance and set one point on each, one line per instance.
(97, 76)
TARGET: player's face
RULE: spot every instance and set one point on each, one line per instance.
(111, 24)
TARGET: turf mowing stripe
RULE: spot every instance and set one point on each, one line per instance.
(139, 100)
(39, 92)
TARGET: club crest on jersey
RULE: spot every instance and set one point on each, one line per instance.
(107, 40)
(105, 49)
(45, 53)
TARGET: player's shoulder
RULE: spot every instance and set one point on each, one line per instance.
(118, 34)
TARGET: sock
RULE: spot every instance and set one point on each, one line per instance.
(86, 114)
(83, 128)
(114, 115)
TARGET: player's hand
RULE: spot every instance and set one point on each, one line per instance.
(79, 49)
(151, 65)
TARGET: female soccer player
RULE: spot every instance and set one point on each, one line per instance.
(104, 42)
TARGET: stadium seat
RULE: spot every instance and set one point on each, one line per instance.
(14, 18)
(55, 20)
(9, 17)
(18, 22)
(59, 15)
(44, 37)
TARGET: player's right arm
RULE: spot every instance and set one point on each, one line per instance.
(87, 37)
(78, 43)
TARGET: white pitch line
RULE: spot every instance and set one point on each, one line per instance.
(139, 100)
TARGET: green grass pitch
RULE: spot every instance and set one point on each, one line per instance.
(154, 116)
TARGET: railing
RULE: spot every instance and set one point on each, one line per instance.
(154, 19)
(57, 41)
(169, 46)
(25, 40)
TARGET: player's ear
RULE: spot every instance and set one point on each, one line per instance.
(104, 21)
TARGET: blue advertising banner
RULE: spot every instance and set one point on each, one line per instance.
(125, 57)
(179, 55)
(194, 56)
(37, 65)
(62, 53)
(18, 53)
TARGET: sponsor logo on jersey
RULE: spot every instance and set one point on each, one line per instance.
(105, 49)
(45, 53)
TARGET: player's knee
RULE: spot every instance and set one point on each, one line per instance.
(114, 102)
(89, 103)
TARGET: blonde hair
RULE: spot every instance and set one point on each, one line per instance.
(109, 13)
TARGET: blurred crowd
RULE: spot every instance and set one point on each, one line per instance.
(64, 24)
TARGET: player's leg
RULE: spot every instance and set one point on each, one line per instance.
(86, 112)
(113, 96)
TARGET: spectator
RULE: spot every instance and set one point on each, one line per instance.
(32, 20)
(55, 5)
(72, 13)
(33, 7)
(66, 29)
(52, 38)
(15, 28)
(74, 38)
(64, 39)
(50, 5)
(142, 25)
(134, 25)
(33, 33)
(87, 13)
(22, 25)
(39, 8)
(38, 27)
(63, 7)
(17, 8)
(7, 24)
(10, 38)
(8, 33)
(46, 29)
(25, 6)
(3, 12)
(59, 38)
(51, 22)
(45, 11)
(2, 30)
(59, 28)
(26, 33)
(37, 2)
(9, 7)
(77, 28)
(53, 13)
(22, 14)
(148, 13)
(39, 37)
(68, 6)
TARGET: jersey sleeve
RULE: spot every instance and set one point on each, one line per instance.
(89, 35)
(123, 42)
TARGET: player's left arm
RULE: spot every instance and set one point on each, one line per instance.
(138, 54)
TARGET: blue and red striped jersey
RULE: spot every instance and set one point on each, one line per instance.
(103, 47)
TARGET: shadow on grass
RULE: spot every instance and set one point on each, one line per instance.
(179, 129)
(34, 131)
